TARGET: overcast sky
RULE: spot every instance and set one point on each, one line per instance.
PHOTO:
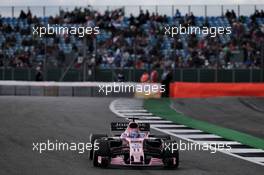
(122, 2)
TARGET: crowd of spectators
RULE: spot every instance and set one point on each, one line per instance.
(130, 42)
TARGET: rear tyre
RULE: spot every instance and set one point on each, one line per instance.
(104, 152)
(93, 137)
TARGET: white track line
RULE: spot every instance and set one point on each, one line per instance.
(135, 110)
(148, 118)
(138, 114)
(182, 130)
(165, 126)
(134, 105)
(218, 142)
(258, 159)
(154, 121)
(223, 151)
(246, 150)
(200, 136)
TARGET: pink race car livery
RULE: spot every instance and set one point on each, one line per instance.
(134, 146)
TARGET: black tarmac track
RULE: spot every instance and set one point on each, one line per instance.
(24, 120)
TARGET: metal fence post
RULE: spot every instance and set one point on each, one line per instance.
(198, 75)
(60, 9)
(222, 10)
(13, 11)
(233, 75)
(238, 10)
(251, 75)
(262, 62)
(79, 75)
(3, 73)
(12, 73)
(124, 9)
(94, 74)
(61, 73)
(216, 75)
(133, 74)
(174, 74)
(44, 11)
(112, 75)
(29, 74)
(261, 75)
(181, 75)
(45, 60)
(189, 9)
(129, 75)
(172, 10)
(205, 11)
(84, 70)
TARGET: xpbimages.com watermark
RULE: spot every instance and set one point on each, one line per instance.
(56, 29)
(188, 30)
(82, 147)
(190, 146)
(146, 88)
(50, 146)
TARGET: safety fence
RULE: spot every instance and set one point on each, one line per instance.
(169, 10)
(133, 75)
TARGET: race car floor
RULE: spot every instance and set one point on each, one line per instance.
(24, 120)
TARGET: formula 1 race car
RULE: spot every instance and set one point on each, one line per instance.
(134, 146)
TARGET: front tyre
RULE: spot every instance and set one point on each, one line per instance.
(170, 158)
(171, 162)
(103, 153)
(93, 137)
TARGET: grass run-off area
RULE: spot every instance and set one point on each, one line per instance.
(162, 108)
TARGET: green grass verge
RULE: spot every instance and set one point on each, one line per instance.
(161, 108)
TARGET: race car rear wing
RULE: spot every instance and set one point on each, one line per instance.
(121, 126)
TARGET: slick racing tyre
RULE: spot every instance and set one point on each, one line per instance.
(93, 137)
(170, 158)
(104, 153)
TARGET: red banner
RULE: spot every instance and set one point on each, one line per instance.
(198, 90)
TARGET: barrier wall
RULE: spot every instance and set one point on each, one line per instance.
(88, 89)
(27, 88)
(199, 90)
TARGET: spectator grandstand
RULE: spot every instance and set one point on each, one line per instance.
(132, 41)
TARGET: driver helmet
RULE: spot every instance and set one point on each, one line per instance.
(134, 130)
